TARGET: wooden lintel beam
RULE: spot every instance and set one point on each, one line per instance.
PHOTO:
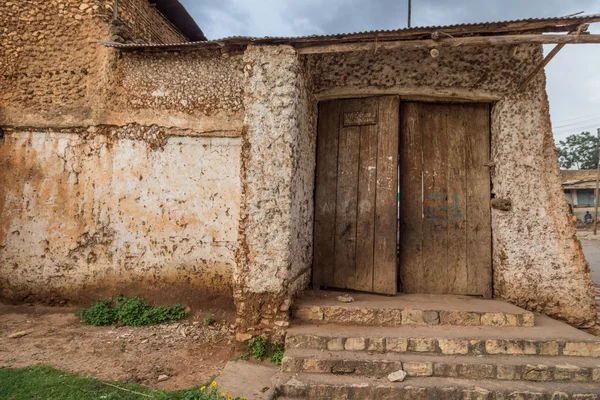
(453, 42)
(541, 66)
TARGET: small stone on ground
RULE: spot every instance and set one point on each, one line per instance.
(397, 376)
(162, 378)
(346, 298)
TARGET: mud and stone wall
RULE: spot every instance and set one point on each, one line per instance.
(278, 155)
(108, 210)
(51, 71)
(202, 91)
(537, 260)
(144, 23)
(119, 172)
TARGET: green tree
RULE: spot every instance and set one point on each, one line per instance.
(579, 151)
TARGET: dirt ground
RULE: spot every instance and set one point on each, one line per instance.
(188, 352)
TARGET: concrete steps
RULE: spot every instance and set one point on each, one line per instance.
(527, 368)
(335, 387)
(451, 347)
(409, 309)
(547, 338)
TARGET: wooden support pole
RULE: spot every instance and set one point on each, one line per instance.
(597, 184)
(501, 40)
(541, 66)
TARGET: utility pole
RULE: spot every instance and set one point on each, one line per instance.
(597, 184)
(409, 11)
(116, 10)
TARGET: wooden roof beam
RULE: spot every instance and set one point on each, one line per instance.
(452, 42)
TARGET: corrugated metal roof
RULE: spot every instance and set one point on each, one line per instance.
(520, 26)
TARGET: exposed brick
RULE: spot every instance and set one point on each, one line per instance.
(422, 345)
(417, 368)
(550, 348)
(454, 346)
(376, 344)
(396, 345)
(536, 373)
(412, 317)
(508, 372)
(335, 344)
(355, 344)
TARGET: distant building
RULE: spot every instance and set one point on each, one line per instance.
(579, 187)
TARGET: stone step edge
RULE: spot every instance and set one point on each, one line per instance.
(348, 315)
(418, 388)
(455, 346)
(460, 367)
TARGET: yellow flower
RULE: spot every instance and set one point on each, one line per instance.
(229, 398)
(222, 394)
(202, 388)
(243, 398)
(213, 384)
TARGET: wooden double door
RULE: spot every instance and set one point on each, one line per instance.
(402, 193)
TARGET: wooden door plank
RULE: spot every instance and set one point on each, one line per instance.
(326, 193)
(411, 199)
(385, 269)
(479, 262)
(435, 185)
(457, 123)
(367, 175)
(347, 199)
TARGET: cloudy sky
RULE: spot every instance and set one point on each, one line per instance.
(573, 75)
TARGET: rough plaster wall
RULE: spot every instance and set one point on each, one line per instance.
(538, 262)
(111, 210)
(196, 90)
(277, 175)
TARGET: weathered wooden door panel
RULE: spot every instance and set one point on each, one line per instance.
(445, 234)
(355, 201)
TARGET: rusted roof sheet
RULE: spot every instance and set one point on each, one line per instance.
(521, 26)
(572, 176)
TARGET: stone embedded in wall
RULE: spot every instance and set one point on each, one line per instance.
(501, 204)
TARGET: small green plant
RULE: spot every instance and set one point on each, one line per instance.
(278, 352)
(210, 391)
(129, 311)
(258, 347)
(122, 346)
(100, 313)
(209, 320)
(244, 357)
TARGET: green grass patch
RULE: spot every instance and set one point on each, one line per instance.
(262, 348)
(129, 311)
(47, 383)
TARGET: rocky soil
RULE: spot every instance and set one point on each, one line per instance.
(182, 354)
